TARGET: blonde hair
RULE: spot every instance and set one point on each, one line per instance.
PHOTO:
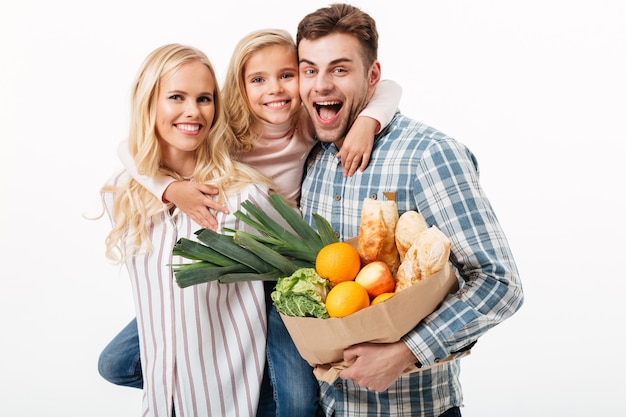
(135, 209)
(245, 124)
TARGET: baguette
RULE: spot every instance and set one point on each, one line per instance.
(376, 238)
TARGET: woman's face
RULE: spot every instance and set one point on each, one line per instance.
(185, 110)
(271, 80)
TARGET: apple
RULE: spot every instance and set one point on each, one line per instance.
(377, 279)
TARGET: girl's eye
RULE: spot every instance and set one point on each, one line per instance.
(256, 80)
(287, 76)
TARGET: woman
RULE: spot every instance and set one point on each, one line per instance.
(202, 347)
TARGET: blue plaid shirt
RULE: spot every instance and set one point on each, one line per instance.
(437, 176)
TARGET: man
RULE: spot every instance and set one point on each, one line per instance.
(429, 172)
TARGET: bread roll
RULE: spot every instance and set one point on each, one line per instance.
(433, 251)
(427, 256)
(376, 241)
(409, 271)
(410, 225)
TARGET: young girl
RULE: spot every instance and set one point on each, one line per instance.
(203, 347)
(275, 135)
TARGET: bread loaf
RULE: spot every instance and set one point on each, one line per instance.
(376, 239)
(426, 256)
(409, 271)
(433, 251)
(410, 225)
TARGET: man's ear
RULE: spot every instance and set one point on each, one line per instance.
(374, 74)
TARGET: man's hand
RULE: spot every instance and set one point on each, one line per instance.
(377, 365)
(193, 199)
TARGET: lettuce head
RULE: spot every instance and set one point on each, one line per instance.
(302, 294)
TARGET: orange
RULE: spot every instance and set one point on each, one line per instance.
(346, 298)
(382, 297)
(338, 262)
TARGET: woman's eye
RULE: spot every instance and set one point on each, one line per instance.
(205, 99)
(175, 97)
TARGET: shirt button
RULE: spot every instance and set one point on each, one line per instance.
(337, 197)
(339, 385)
(374, 197)
(337, 234)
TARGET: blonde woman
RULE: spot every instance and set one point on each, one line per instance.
(202, 347)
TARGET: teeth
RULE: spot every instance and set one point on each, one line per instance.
(328, 103)
(189, 128)
(277, 104)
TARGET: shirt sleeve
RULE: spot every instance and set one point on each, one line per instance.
(156, 185)
(449, 196)
(384, 103)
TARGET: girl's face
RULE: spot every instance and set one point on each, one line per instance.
(271, 80)
(185, 112)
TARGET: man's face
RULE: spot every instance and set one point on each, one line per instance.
(335, 85)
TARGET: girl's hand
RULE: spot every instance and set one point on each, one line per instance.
(356, 149)
(193, 199)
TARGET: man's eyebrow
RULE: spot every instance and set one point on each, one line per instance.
(305, 61)
(333, 62)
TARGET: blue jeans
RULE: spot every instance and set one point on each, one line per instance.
(296, 390)
(119, 362)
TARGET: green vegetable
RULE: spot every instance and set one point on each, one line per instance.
(302, 294)
(276, 252)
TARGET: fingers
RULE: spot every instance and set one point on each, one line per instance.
(204, 218)
(207, 189)
(352, 163)
(211, 204)
(351, 166)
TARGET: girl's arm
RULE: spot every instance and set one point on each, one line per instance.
(191, 197)
(357, 147)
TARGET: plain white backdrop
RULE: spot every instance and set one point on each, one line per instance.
(536, 89)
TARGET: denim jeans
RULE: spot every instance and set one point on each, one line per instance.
(119, 362)
(296, 390)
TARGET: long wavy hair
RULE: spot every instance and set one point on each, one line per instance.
(245, 124)
(135, 209)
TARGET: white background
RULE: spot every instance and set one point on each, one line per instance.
(536, 89)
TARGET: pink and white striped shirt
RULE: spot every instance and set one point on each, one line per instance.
(202, 347)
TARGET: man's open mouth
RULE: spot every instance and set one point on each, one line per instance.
(328, 109)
